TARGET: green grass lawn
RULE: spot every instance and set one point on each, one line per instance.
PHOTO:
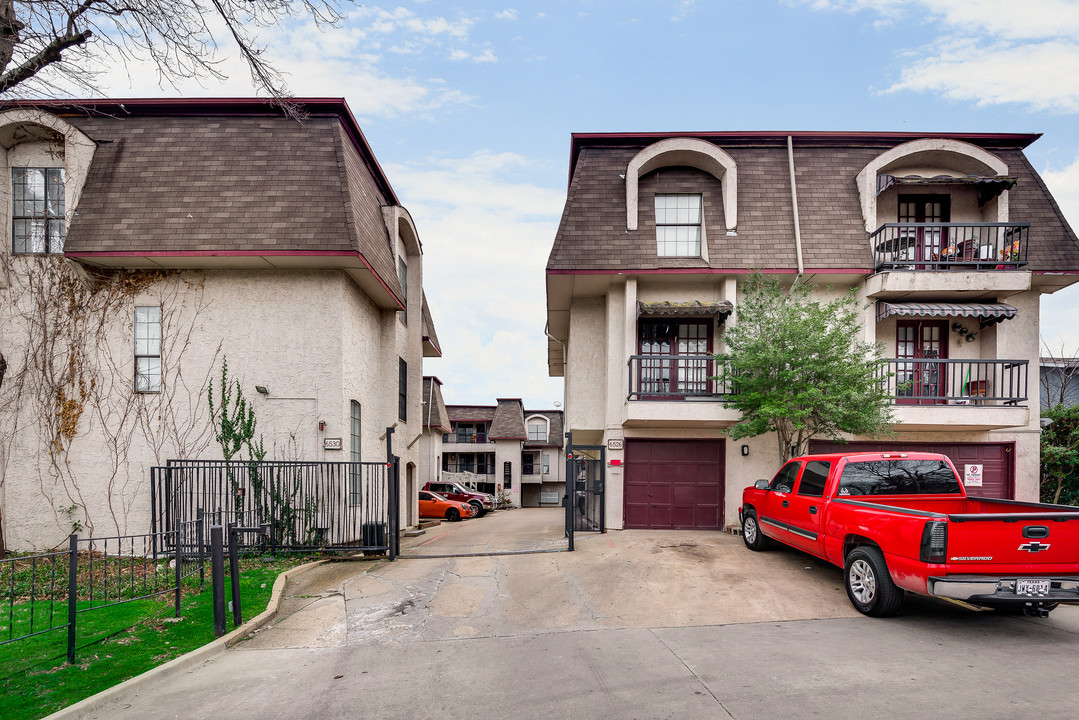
(116, 643)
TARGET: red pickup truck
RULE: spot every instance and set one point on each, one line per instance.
(903, 521)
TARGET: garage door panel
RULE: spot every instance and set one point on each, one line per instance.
(996, 459)
(680, 482)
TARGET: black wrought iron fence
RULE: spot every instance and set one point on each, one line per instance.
(47, 592)
(967, 246)
(956, 382)
(307, 505)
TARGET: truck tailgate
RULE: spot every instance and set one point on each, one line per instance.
(1038, 543)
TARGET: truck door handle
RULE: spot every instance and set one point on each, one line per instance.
(786, 504)
(812, 509)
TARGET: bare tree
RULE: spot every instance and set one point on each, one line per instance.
(1059, 377)
(47, 46)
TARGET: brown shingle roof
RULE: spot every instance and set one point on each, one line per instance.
(592, 235)
(435, 415)
(556, 432)
(429, 336)
(206, 177)
(471, 413)
(509, 421)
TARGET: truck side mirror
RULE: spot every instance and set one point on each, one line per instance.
(762, 484)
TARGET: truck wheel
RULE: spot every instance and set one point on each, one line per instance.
(869, 586)
(478, 507)
(751, 532)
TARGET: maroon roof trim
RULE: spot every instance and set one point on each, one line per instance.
(715, 271)
(122, 107)
(90, 254)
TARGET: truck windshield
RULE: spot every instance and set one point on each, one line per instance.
(898, 477)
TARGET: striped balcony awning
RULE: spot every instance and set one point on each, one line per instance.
(695, 308)
(988, 312)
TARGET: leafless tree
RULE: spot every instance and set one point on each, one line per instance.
(1060, 384)
(48, 46)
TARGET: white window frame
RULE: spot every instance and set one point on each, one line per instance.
(147, 346)
(536, 419)
(51, 215)
(676, 218)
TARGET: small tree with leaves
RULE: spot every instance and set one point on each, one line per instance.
(799, 370)
(233, 422)
(1060, 455)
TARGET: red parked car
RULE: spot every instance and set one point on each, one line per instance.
(902, 521)
(455, 491)
(433, 505)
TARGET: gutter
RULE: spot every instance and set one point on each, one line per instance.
(565, 367)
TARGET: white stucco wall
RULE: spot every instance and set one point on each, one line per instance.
(311, 337)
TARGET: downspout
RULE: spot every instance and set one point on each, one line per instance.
(794, 202)
(431, 454)
(565, 367)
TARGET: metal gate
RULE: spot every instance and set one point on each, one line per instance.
(304, 505)
(585, 488)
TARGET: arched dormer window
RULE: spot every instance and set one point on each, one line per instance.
(46, 160)
(930, 158)
(538, 428)
(684, 152)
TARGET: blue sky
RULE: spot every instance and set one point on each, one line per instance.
(469, 108)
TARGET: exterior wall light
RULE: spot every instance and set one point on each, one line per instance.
(261, 390)
(745, 449)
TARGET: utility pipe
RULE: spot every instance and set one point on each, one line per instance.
(794, 200)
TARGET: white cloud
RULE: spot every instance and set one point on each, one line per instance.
(1042, 75)
(486, 231)
(508, 14)
(683, 9)
(989, 51)
(487, 56)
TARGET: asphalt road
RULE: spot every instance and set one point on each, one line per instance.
(634, 624)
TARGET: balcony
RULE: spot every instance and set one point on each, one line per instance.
(679, 391)
(675, 377)
(467, 467)
(950, 246)
(465, 438)
(957, 394)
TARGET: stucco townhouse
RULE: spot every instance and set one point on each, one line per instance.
(146, 242)
(505, 448)
(949, 239)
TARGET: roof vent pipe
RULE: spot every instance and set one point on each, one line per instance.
(794, 202)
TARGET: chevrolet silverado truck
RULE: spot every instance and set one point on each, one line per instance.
(902, 521)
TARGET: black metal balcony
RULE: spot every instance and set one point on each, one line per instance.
(675, 377)
(471, 438)
(943, 246)
(956, 382)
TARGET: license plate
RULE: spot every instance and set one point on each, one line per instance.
(1032, 587)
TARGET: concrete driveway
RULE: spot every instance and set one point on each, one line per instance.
(633, 624)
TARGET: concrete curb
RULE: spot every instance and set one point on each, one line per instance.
(182, 664)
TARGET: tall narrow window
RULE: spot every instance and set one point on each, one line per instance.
(402, 390)
(37, 211)
(355, 472)
(402, 278)
(678, 225)
(507, 474)
(148, 349)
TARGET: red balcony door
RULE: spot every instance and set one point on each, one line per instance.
(929, 243)
(919, 344)
(669, 341)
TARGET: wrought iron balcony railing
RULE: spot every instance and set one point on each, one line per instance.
(472, 438)
(956, 382)
(675, 377)
(938, 246)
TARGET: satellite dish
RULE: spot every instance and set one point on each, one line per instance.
(557, 404)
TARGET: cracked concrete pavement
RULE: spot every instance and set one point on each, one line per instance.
(632, 624)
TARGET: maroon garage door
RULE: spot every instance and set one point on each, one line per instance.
(997, 460)
(675, 484)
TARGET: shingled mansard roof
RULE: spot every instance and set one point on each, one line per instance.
(435, 415)
(556, 432)
(184, 183)
(593, 238)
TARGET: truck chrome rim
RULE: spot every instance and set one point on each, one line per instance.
(863, 583)
(750, 530)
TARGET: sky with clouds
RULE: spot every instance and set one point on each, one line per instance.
(469, 108)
